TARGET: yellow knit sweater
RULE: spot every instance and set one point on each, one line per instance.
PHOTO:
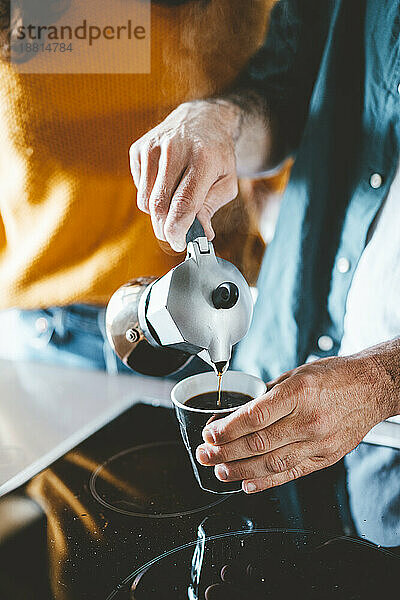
(69, 227)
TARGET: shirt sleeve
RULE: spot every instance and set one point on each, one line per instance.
(285, 69)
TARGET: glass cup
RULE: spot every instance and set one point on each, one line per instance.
(193, 420)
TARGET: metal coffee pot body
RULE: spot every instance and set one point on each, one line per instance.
(201, 307)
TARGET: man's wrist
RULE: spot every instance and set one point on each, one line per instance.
(383, 362)
(230, 113)
(252, 132)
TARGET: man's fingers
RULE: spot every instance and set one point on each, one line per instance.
(204, 217)
(277, 462)
(222, 192)
(280, 433)
(188, 197)
(167, 180)
(252, 486)
(309, 465)
(253, 416)
(148, 174)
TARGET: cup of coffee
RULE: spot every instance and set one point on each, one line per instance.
(196, 404)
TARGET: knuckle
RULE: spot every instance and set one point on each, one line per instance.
(257, 442)
(219, 432)
(159, 206)
(256, 415)
(275, 463)
(207, 211)
(219, 454)
(171, 230)
(241, 471)
(303, 384)
(282, 395)
(181, 206)
(294, 473)
(182, 201)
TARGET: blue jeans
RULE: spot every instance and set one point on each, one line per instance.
(72, 336)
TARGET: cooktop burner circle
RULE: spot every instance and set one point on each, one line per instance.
(264, 563)
(152, 480)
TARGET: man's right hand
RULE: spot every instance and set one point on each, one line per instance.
(186, 166)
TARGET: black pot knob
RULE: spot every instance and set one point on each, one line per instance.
(225, 295)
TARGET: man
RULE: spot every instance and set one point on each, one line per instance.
(325, 88)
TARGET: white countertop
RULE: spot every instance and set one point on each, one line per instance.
(46, 410)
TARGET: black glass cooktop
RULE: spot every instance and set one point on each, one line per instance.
(265, 563)
(123, 517)
(150, 480)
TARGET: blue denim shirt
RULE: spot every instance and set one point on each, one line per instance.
(330, 70)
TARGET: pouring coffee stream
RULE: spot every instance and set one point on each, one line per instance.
(201, 307)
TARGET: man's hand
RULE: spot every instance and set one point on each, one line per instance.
(309, 419)
(186, 166)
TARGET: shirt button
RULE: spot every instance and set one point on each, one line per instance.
(41, 325)
(375, 181)
(343, 265)
(325, 343)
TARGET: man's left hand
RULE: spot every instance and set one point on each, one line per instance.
(308, 419)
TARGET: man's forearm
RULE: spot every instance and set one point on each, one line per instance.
(255, 132)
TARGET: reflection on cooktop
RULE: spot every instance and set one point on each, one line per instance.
(153, 480)
(261, 564)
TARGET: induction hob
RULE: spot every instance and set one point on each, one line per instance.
(124, 518)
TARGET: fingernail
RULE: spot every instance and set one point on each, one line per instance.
(221, 472)
(202, 455)
(209, 435)
(249, 487)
